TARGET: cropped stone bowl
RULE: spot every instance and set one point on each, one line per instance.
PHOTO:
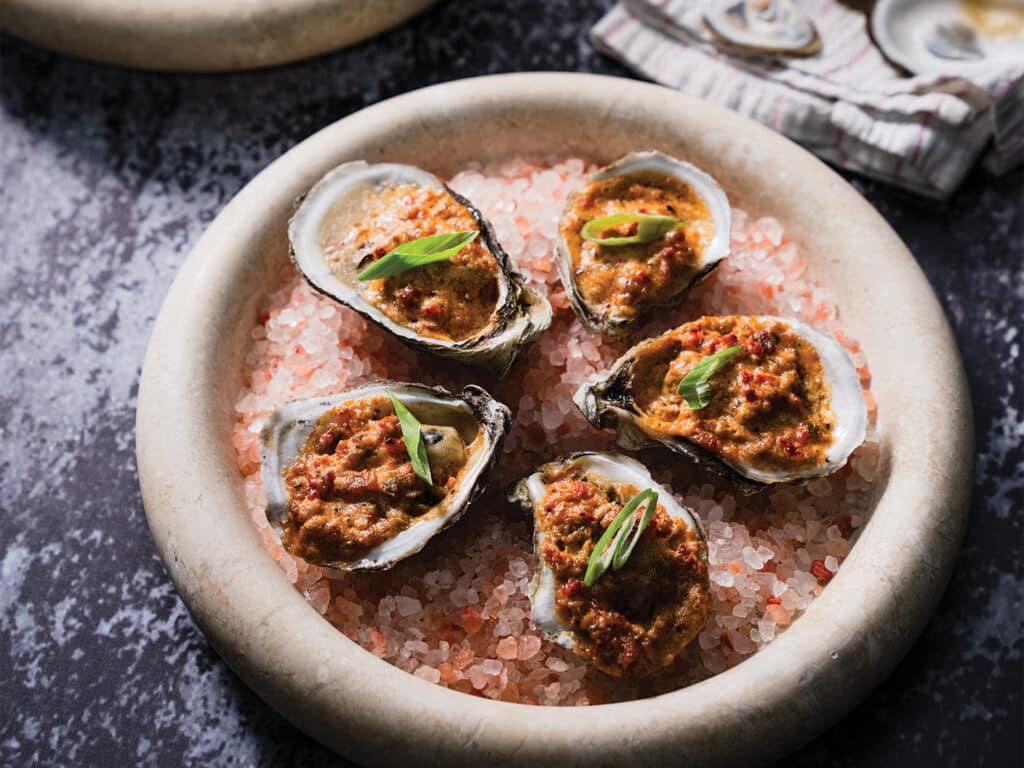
(850, 638)
(201, 35)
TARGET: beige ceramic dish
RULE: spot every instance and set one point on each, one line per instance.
(849, 640)
(201, 35)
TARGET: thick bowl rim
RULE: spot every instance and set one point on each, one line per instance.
(199, 36)
(851, 637)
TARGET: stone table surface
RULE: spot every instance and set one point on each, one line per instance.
(109, 178)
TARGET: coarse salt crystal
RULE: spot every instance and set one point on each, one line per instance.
(508, 648)
(408, 606)
(556, 664)
(430, 674)
(722, 578)
(529, 646)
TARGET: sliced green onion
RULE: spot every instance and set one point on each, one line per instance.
(694, 387)
(648, 228)
(416, 253)
(412, 434)
(616, 544)
(626, 541)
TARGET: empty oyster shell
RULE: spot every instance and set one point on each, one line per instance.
(612, 287)
(662, 592)
(790, 405)
(474, 308)
(763, 26)
(462, 433)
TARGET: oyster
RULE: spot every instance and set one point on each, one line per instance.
(611, 287)
(786, 408)
(341, 492)
(474, 307)
(762, 26)
(633, 621)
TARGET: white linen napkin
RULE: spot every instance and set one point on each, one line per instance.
(847, 104)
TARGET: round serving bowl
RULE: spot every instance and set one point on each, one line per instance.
(850, 638)
(198, 35)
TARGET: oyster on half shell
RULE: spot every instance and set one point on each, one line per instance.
(771, 421)
(661, 594)
(462, 434)
(762, 26)
(612, 287)
(474, 307)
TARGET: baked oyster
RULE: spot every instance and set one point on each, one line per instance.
(762, 26)
(632, 621)
(784, 402)
(472, 307)
(637, 235)
(342, 489)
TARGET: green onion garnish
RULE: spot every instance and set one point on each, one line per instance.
(648, 228)
(694, 387)
(412, 434)
(416, 253)
(617, 543)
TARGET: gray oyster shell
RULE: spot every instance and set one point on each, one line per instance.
(762, 26)
(521, 315)
(528, 494)
(608, 403)
(717, 250)
(481, 421)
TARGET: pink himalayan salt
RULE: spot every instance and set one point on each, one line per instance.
(307, 346)
(508, 648)
(529, 646)
(430, 674)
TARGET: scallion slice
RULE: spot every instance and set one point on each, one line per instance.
(694, 387)
(412, 434)
(619, 539)
(416, 253)
(648, 228)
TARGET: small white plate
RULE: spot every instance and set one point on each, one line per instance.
(903, 28)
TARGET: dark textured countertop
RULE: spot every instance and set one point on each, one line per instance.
(110, 177)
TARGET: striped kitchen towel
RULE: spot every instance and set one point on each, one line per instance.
(846, 104)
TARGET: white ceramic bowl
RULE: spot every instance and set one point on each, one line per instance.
(849, 639)
(201, 35)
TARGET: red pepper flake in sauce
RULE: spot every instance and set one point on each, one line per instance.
(452, 300)
(353, 487)
(623, 281)
(636, 620)
(770, 406)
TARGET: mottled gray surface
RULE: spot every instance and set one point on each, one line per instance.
(109, 177)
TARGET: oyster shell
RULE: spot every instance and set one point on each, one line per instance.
(466, 429)
(347, 219)
(763, 26)
(616, 469)
(602, 294)
(612, 402)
